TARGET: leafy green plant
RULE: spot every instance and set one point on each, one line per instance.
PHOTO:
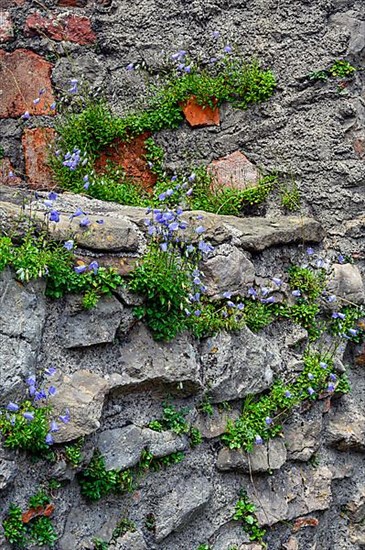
(204, 547)
(39, 499)
(290, 197)
(100, 544)
(73, 453)
(21, 433)
(172, 419)
(195, 437)
(309, 282)
(124, 526)
(42, 531)
(15, 531)
(245, 513)
(96, 482)
(205, 406)
(341, 69)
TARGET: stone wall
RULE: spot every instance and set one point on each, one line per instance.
(308, 486)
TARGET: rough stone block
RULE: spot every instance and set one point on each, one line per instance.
(23, 74)
(234, 170)
(347, 283)
(6, 27)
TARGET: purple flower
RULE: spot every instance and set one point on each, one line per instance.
(163, 247)
(240, 306)
(341, 259)
(197, 313)
(36, 101)
(50, 371)
(30, 381)
(49, 439)
(192, 176)
(252, 292)
(174, 226)
(213, 60)
(258, 440)
(287, 393)
(310, 251)
(12, 407)
(130, 67)
(320, 263)
(54, 216)
(216, 34)
(52, 106)
(333, 377)
(174, 178)
(69, 245)
(187, 69)
(32, 390)
(26, 115)
(296, 293)
(311, 391)
(227, 48)
(54, 426)
(42, 91)
(227, 294)
(331, 387)
(162, 197)
(196, 281)
(94, 266)
(323, 365)
(85, 222)
(270, 300)
(338, 315)
(11, 174)
(52, 196)
(277, 281)
(265, 290)
(268, 420)
(40, 395)
(100, 222)
(310, 376)
(80, 268)
(73, 88)
(353, 331)
(52, 390)
(28, 415)
(66, 417)
(231, 304)
(78, 212)
(169, 192)
(200, 230)
(189, 192)
(205, 247)
(331, 298)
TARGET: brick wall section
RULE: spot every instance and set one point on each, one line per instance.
(37, 148)
(72, 28)
(22, 75)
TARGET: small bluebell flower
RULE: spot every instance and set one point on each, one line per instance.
(162, 197)
(341, 259)
(50, 371)
(192, 176)
(310, 251)
(296, 293)
(287, 394)
(331, 387)
(331, 298)
(270, 300)
(13, 407)
(66, 417)
(53, 106)
(28, 415)
(54, 216)
(333, 377)
(227, 48)
(323, 365)
(130, 67)
(353, 331)
(163, 247)
(73, 88)
(252, 292)
(49, 439)
(32, 390)
(187, 69)
(197, 313)
(277, 281)
(69, 245)
(26, 115)
(52, 390)
(85, 222)
(265, 290)
(54, 426)
(231, 304)
(40, 395)
(311, 391)
(227, 294)
(200, 230)
(94, 266)
(31, 381)
(80, 268)
(338, 315)
(52, 196)
(268, 421)
(11, 174)
(258, 440)
(216, 34)
(36, 101)
(240, 306)
(310, 376)
(174, 178)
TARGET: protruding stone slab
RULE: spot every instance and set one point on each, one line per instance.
(82, 328)
(238, 364)
(121, 447)
(266, 457)
(234, 170)
(83, 395)
(179, 506)
(346, 427)
(347, 283)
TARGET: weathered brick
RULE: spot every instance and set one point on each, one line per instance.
(22, 75)
(197, 115)
(72, 3)
(6, 27)
(11, 3)
(131, 157)
(7, 173)
(37, 147)
(72, 28)
(234, 170)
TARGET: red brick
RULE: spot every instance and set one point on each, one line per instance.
(6, 27)
(72, 3)
(234, 170)
(37, 144)
(22, 75)
(72, 28)
(359, 147)
(6, 169)
(11, 3)
(131, 157)
(197, 115)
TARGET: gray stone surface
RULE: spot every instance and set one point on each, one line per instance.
(238, 364)
(121, 447)
(8, 469)
(263, 458)
(22, 317)
(228, 270)
(129, 541)
(346, 427)
(215, 425)
(347, 283)
(302, 438)
(181, 505)
(81, 328)
(164, 443)
(83, 394)
(144, 362)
